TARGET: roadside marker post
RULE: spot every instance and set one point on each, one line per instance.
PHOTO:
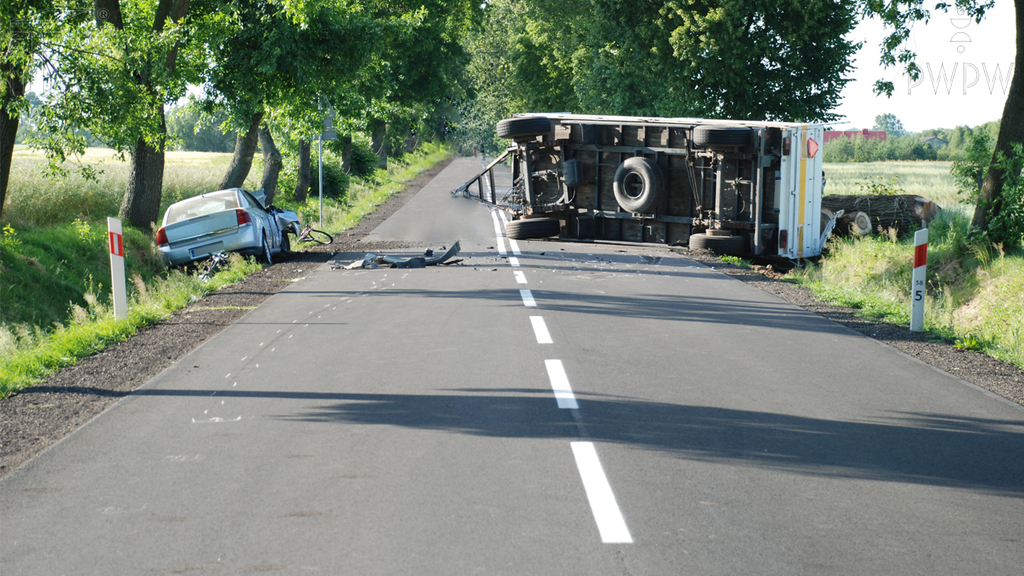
(919, 280)
(118, 287)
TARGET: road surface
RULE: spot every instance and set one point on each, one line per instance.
(543, 408)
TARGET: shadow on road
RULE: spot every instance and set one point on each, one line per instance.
(661, 307)
(932, 449)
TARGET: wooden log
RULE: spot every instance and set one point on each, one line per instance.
(902, 212)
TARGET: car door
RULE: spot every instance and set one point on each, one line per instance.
(268, 223)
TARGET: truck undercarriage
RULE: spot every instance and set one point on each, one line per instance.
(739, 188)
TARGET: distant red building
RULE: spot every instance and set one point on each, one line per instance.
(831, 135)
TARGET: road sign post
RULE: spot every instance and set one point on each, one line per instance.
(919, 280)
(328, 133)
(118, 286)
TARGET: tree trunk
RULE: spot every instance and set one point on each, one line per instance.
(346, 154)
(241, 161)
(8, 124)
(302, 186)
(1011, 130)
(271, 164)
(379, 142)
(141, 205)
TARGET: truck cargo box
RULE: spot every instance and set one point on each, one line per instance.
(734, 187)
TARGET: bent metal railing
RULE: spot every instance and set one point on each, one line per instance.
(484, 181)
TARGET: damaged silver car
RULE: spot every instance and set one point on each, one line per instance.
(232, 220)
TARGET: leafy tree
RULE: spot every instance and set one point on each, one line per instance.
(761, 59)
(753, 59)
(111, 71)
(416, 66)
(899, 17)
(25, 26)
(890, 124)
(190, 130)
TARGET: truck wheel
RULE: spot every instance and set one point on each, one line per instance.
(638, 184)
(721, 245)
(523, 128)
(532, 228)
(716, 136)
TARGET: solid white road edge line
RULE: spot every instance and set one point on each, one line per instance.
(610, 522)
(560, 385)
(540, 330)
(528, 300)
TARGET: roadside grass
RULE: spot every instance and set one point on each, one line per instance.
(929, 179)
(365, 194)
(34, 200)
(54, 267)
(975, 290)
(29, 354)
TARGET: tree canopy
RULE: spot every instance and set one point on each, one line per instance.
(394, 68)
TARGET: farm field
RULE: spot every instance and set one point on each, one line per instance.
(34, 200)
(929, 179)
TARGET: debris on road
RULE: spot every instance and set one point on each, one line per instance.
(392, 261)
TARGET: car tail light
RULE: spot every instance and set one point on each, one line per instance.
(243, 217)
(161, 237)
(783, 239)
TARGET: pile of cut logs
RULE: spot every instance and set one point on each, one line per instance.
(875, 214)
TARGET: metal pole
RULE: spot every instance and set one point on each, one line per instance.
(320, 156)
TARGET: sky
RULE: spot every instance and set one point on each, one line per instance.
(966, 70)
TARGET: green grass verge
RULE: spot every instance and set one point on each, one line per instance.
(975, 290)
(364, 195)
(54, 307)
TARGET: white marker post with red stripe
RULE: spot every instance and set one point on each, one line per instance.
(919, 280)
(118, 286)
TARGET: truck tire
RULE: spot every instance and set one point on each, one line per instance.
(721, 136)
(721, 245)
(523, 128)
(532, 228)
(639, 184)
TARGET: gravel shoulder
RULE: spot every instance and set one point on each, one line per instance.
(39, 416)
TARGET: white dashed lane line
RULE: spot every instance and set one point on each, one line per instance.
(560, 385)
(610, 523)
(540, 330)
(527, 297)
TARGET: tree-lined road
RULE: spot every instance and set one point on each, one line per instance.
(557, 409)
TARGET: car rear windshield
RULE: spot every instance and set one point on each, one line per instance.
(201, 205)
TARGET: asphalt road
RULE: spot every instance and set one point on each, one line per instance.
(557, 409)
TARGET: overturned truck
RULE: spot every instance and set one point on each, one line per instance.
(736, 188)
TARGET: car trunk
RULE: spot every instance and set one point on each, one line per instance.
(207, 226)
